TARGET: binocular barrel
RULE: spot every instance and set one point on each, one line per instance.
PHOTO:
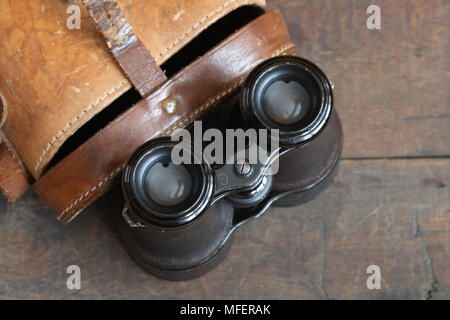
(179, 218)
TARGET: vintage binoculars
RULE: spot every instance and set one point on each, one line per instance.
(179, 217)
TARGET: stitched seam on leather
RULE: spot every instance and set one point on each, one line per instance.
(179, 124)
(283, 50)
(201, 21)
(67, 216)
(220, 96)
(202, 108)
(73, 121)
(88, 192)
(192, 29)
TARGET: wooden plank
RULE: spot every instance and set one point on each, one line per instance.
(392, 88)
(392, 213)
(393, 98)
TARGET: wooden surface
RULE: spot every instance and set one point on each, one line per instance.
(389, 205)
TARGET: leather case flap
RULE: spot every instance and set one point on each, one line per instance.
(55, 79)
(87, 173)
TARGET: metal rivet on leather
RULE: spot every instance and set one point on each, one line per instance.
(170, 105)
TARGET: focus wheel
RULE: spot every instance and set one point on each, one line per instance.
(251, 198)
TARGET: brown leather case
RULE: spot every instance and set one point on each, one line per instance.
(54, 81)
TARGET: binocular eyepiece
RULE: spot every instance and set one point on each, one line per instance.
(179, 217)
(162, 193)
(289, 94)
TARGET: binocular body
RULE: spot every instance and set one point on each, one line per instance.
(179, 218)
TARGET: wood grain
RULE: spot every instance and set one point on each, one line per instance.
(386, 207)
(392, 213)
(391, 85)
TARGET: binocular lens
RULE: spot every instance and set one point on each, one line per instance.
(289, 94)
(168, 184)
(161, 192)
(286, 102)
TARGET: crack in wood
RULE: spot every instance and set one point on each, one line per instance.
(432, 284)
(442, 157)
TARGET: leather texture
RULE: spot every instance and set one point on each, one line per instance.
(56, 79)
(129, 51)
(14, 178)
(89, 171)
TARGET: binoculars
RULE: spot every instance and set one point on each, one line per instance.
(179, 216)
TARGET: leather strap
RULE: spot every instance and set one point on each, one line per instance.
(56, 79)
(14, 178)
(87, 173)
(137, 63)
